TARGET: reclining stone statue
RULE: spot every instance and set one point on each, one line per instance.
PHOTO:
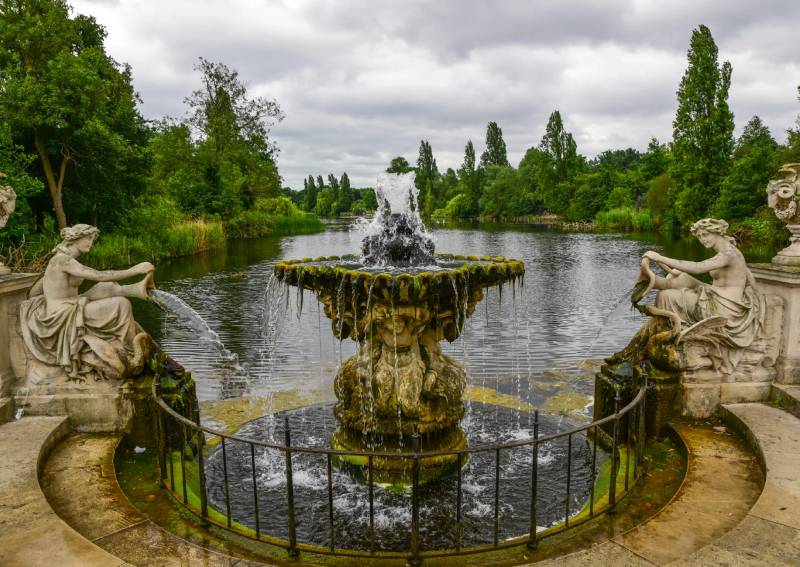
(91, 334)
(696, 325)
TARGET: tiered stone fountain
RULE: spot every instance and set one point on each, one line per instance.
(398, 301)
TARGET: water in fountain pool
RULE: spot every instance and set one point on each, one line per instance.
(485, 424)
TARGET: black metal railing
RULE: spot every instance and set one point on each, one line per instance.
(181, 450)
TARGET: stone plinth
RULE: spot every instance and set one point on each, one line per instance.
(784, 281)
(13, 289)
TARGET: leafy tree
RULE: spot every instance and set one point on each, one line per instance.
(743, 188)
(470, 179)
(495, 152)
(325, 203)
(560, 166)
(320, 183)
(502, 183)
(790, 152)
(222, 111)
(655, 160)
(427, 177)
(344, 199)
(73, 106)
(399, 165)
(702, 140)
(310, 199)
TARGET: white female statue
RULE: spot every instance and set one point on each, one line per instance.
(727, 313)
(92, 333)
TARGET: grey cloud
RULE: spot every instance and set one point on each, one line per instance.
(362, 81)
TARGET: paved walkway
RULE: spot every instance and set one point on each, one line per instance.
(31, 534)
(721, 484)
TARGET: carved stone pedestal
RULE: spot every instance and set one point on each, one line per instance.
(13, 289)
(784, 281)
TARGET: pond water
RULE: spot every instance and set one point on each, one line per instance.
(538, 342)
(572, 307)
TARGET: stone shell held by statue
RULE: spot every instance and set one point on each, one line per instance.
(783, 194)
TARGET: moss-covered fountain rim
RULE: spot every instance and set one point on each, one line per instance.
(500, 267)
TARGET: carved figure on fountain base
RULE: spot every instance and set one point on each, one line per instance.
(400, 380)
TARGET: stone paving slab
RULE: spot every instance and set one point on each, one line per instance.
(80, 482)
(788, 396)
(31, 534)
(722, 483)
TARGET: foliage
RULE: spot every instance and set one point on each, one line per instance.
(702, 141)
(626, 218)
(743, 189)
(495, 152)
(69, 103)
(399, 165)
(14, 165)
(457, 207)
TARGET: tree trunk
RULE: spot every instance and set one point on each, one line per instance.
(54, 186)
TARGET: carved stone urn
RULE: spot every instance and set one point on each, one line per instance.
(783, 197)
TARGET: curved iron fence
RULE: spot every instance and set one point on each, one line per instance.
(182, 443)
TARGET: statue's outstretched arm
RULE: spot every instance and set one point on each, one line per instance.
(75, 268)
(715, 263)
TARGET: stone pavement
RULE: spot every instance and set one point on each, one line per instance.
(31, 534)
(766, 534)
(80, 483)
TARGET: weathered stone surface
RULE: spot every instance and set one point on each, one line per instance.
(80, 483)
(608, 553)
(31, 534)
(722, 482)
(783, 197)
(784, 282)
(13, 289)
(162, 549)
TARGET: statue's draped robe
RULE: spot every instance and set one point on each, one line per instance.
(58, 336)
(745, 318)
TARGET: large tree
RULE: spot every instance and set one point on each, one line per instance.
(427, 177)
(399, 164)
(495, 152)
(73, 106)
(742, 189)
(223, 112)
(469, 178)
(702, 139)
(560, 165)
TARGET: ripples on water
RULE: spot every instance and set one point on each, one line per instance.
(313, 426)
(573, 306)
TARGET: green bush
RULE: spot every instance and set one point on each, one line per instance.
(278, 206)
(626, 218)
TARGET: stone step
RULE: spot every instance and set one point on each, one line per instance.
(31, 534)
(787, 397)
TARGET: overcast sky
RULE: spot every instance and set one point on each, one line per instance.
(362, 81)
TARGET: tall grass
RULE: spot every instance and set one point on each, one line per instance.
(157, 229)
(156, 243)
(626, 218)
(255, 223)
